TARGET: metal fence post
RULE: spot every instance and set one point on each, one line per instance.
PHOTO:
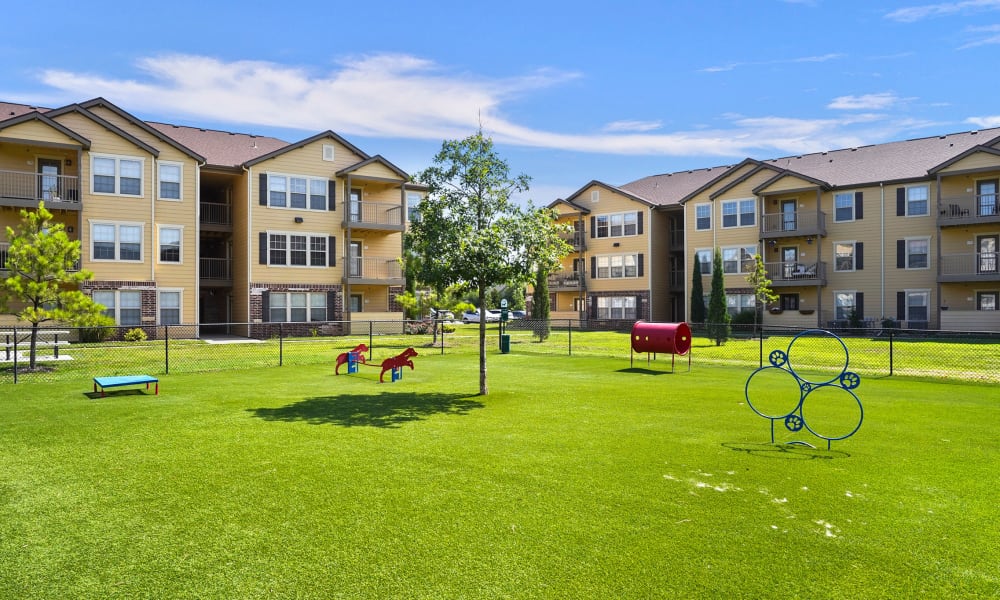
(15, 355)
(281, 345)
(891, 336)
(760, 338)
(442, 338)
(371, 333)
(569, 328)
(166, 347)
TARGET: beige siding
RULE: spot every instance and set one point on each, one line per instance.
(785, 184)
(978, 160)
(36, 131)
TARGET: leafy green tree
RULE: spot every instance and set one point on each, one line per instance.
(718, 317)
(471, 232)
(42, 282)
(516, 298)
(761, 285)
(697, 295)
(540, 306)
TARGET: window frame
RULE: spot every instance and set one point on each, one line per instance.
(160, 181)
(117, 159)
(707, 206)
(606, 308)
(288, 303)
(847, 308)
(740, 217)
(853, 207)
(926, 200)
(179, 308)
(287, 193)
(913, 293)
(711, 257)
(180, 244)
(745, 255)
(738, 303)
(307, 251)
(117, 225)
(115, 311)
(982, 295)
(909, 254)
(621, 262)
(853, 256)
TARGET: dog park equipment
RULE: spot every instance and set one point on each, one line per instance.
(795, 419)
(396, 364)
(651, 338)
(123, 380)
(352, 358)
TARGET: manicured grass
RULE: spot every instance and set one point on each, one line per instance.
(576, 477)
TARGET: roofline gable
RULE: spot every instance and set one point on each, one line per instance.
(720, 177)
(985, 148)
(740, 179)
(37, 116)
(571, 204)
(610, 188)
(142, 125)
(789, 173)
(76, 108)
(302, 143)
(378, 158)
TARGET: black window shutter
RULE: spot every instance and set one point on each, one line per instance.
(900, 306)
(263, 189)
(332, 187)
(331, 251)
(593, 307)
(593, 227)
(262, 236)
(331, 306)
(638, 308)
(859, 256)
(859, 206)
(900, 202)
(859, 304)
(639, 261)
(593, 267)
(265, 307)
(638, 219)
(900, 254)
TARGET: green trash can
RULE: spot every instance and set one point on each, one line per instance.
(505, 343)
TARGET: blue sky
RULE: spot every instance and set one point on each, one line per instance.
(570, 91)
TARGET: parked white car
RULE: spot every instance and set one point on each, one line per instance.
(492, 316)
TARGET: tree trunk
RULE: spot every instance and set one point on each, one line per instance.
(483, 388)
(34, 345)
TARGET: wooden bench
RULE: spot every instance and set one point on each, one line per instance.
(122, 380)
(22, 341)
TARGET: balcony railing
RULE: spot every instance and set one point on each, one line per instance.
(215, 213)
(376, 269)
(217, 269)
(971, 266)
(576, 239)
(676, 240)
(968, 209)
(576, 280)
(802, 222)
(381, 214)
(32, 187)
(788, 274)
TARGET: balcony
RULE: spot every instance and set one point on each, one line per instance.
(796, 274)
(374, 216)
(969, 267)
(676, 280)
(799, 223)
(968, 210)
(26, 189)
(676, 240)
(373, 270)
(216, 272)
(215, 216)
(563, 282)
(576, 239)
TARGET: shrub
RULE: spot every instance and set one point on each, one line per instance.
(135, 335)
(95, 335)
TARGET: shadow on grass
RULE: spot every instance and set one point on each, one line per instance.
(786, 451)
(113, 393)
(377, 410)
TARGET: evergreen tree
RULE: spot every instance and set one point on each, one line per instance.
(697, 295)
(718, 317)
(540, 306)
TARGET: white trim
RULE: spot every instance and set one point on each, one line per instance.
(180, 183)
(906, 200)
(288, 191)
(180, 304)
(710, 216)
(854, 256)
(118, 158)
(739, 214)
(288, 249)
(117, 225)
(906, 252)
(159, 233)
(854, 207)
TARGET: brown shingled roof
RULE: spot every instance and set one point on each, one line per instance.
(221, 148)
(671, 188)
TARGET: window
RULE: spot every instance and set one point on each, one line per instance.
(170, 244)
(843, 305)
(357, 303)
(987, 300)
(738, 259)
(617, 225)
(843, 206)
(738, 213)
(917, 302)
(917, 201)
(602, 226)
(704, 258)
(843, 253)
(124, 306)
(616, 307)
(170, 181)
(116, 175)
(788, 301)
(287, 191)
(413, 201)
(631, 223)
(170, 308)
(737, 303)
(296, 307)
(703, 216)
(617, 266)
(917, 253)
(116, 241)
(297, 250)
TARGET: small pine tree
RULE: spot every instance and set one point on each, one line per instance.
(718, 317)
(697, 295)
(763, 294)
(540, 306)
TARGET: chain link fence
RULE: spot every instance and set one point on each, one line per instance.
(62, 354)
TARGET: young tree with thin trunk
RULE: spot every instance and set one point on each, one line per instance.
(42, 283)
(718, 316)
(469, 231)
(762, 292)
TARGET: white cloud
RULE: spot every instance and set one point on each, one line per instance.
(912, 14)
(984, 122)
(407, 97)
(777, 61)
(639, 126)
(987, 36)
(864, 102)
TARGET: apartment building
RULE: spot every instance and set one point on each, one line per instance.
(190, 225)
(904, 231)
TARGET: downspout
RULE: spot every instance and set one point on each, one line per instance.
(881, 189)
(249, 233)
(687, 280)
(152, 225)
(197, 245)
(649, 267)
(347, 249)
(940, 300)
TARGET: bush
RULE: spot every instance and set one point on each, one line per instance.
(95, 335)
(745, 317)
(135, 335)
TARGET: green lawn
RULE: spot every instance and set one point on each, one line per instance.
(576, 477)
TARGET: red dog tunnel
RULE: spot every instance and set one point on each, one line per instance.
(663, 338)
